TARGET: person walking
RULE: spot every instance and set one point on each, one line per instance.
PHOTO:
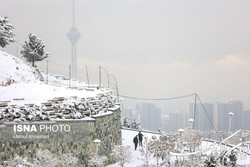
(140, 138)
(135, 141)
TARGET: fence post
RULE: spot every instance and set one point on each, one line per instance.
(195, 101)
(87, 75)
(69, 76)
(47, 71)
(100, 76)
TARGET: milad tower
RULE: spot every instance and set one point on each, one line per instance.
(73, 36)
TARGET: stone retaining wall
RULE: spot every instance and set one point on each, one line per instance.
(78, 142)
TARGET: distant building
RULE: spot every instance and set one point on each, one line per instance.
(203, 119)
(222, 113)
(164, 121)
(150, 116)
(246, 121)
(128, 112)
(176, 121)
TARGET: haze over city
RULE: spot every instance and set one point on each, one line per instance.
(124, 83)
(154, 48)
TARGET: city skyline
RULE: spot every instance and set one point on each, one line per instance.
(214, 117)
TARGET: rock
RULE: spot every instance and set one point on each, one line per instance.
(24, 112)
(67, 116)
(53, 101)
(36, 119)
(30, 105)
(49, 109)
(18, 99)
(47, 104)
(52, 113)
(3, 104)
(5, 101)
(60, 98)
(86, 113)
(66, 112)
(54, 117)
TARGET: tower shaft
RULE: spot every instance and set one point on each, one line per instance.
(73, 36)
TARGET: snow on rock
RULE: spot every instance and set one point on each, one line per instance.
(59, 109)
(24, 97)
(14, 70)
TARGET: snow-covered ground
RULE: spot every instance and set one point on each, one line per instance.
(38, 92)
(23, 96)
(127, 140)
(15, 70)
(20, 84)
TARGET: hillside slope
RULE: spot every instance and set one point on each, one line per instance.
(20, 84)
(15, 70)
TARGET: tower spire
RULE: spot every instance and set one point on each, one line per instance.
(73, 12)
(73, 36)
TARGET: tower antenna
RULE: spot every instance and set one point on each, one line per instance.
(73, 13)
(73, 36)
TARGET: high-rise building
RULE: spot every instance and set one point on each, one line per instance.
(222, 112)
(176, 121)
(246, 120)
(128, 112)
(73, 36)
(150, 116)
(203, 119)
(164, 122)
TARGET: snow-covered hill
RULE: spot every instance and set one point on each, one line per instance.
(15, 70)
(20, 84)
(24, 97)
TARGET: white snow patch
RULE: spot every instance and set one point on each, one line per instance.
(102, 114)
(15, 70)
(38, 92)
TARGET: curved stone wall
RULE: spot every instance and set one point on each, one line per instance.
(78, 141)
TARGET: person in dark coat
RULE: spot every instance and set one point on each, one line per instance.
(140, 138)
(135, 141)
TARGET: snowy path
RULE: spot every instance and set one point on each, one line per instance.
(127, 140)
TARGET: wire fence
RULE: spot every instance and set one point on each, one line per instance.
(88, 75)
(52, 71)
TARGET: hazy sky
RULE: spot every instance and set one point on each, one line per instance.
(155, 48)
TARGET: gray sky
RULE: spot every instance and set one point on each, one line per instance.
(155, 48)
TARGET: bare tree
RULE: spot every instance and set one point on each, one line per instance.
(127, 123)
(154, 148)
(192, 139)
(145, 153)
(97, 160)
(17, 161)
(45, 159)
(67, 160)
(160, 148)
(122, 154)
